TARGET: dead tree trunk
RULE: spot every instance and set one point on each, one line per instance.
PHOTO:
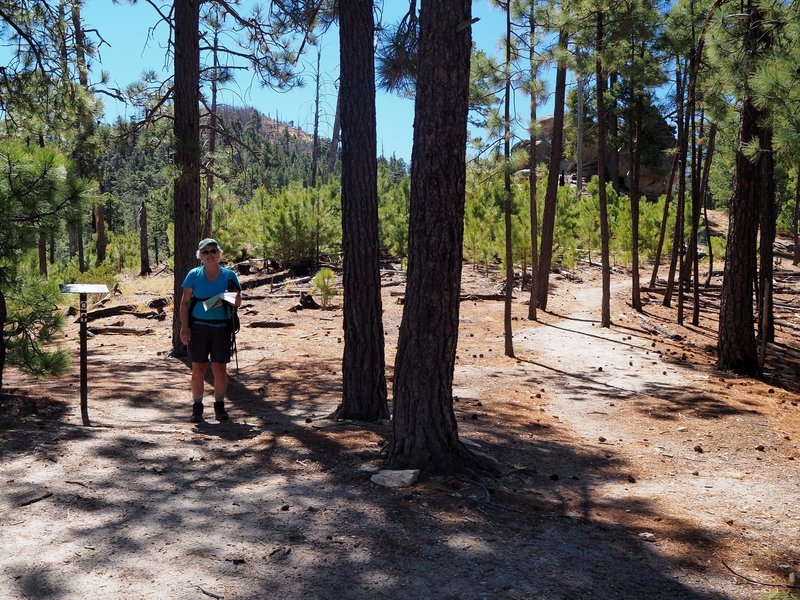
(144, 256)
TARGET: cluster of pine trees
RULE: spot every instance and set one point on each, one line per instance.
(83, 200)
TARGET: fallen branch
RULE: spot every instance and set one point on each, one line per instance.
(208, 593)
(462, 298)
(269, 324)
(36, 499)
(273, 296)
(120, 330)
(268, 279)
(783, 585)
(111, 311)
(150, 314)
(163, 267)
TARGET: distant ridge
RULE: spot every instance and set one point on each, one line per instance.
(271, 129)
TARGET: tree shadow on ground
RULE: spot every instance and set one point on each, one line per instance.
(279, 502)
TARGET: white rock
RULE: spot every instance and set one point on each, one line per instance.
(395, 479)
(647, 536)
(468, 442)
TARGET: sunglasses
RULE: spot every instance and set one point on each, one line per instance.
(211, 251)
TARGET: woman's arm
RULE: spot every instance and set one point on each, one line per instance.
(186, 298)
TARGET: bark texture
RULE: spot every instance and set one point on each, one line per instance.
(144, 255)
(187, 149)
(551, 195)
(602, 137)
(736, 345)
(363, 364)
(425, 429)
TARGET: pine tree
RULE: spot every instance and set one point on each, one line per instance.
(736, 346)
(425, 429)
(363, 379)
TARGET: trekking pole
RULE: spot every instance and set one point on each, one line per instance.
(233, 343)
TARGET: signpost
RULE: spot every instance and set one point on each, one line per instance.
(83, 289)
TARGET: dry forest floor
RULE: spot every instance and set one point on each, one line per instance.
(634, 468)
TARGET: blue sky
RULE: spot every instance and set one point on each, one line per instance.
(128, 54)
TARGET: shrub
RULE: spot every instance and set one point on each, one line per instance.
(34, 321)
(322, 286)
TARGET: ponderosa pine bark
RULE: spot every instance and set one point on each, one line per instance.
(425, 428)
(144, 255)
(508, 334)
(768, 226)
(736, 345)
(602, 136)
(795, 227)
(363, 364)
(532, 179)
(186, 97)
(636, 164)
(551, 195)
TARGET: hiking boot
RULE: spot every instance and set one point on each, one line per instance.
(219, 411)
(197, 412)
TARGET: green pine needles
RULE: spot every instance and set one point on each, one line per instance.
(323, 287)
(33, 325)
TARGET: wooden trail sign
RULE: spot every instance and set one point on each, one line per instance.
(83, 289)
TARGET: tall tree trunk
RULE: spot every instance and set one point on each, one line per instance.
(315, 159)
(580, 128)
(80, 44)
(605, 311)
(187, 150)
(101, 242)
(508, 334)
(85, 161)
(73, 231)
(678, 244)
(768, 224)
(208, 215)
(736, 344)
(425, 428)
(636, 161)
(364, 395)
(796, 222)
(315, 137)
(662, 233)
(712, 137)
(3, 318)
(42, 253)
(81, 252)
(551, 195)
(612, 132)
(532, 180)
(689, 264)
(334, 147)
(144, 256)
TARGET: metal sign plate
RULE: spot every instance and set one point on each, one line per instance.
(84, 288)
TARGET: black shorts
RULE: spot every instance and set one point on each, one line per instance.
(213, 341)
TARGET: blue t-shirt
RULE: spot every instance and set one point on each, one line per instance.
(203, 288)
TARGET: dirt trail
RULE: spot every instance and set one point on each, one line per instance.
(609, 496)
(721, 464)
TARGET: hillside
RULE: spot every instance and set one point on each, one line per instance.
(270, 129)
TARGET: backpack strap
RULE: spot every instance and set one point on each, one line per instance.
(232, 319)
(192, 303)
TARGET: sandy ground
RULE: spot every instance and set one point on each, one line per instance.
(634, 468)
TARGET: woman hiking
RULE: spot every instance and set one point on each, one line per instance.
(205, 325)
